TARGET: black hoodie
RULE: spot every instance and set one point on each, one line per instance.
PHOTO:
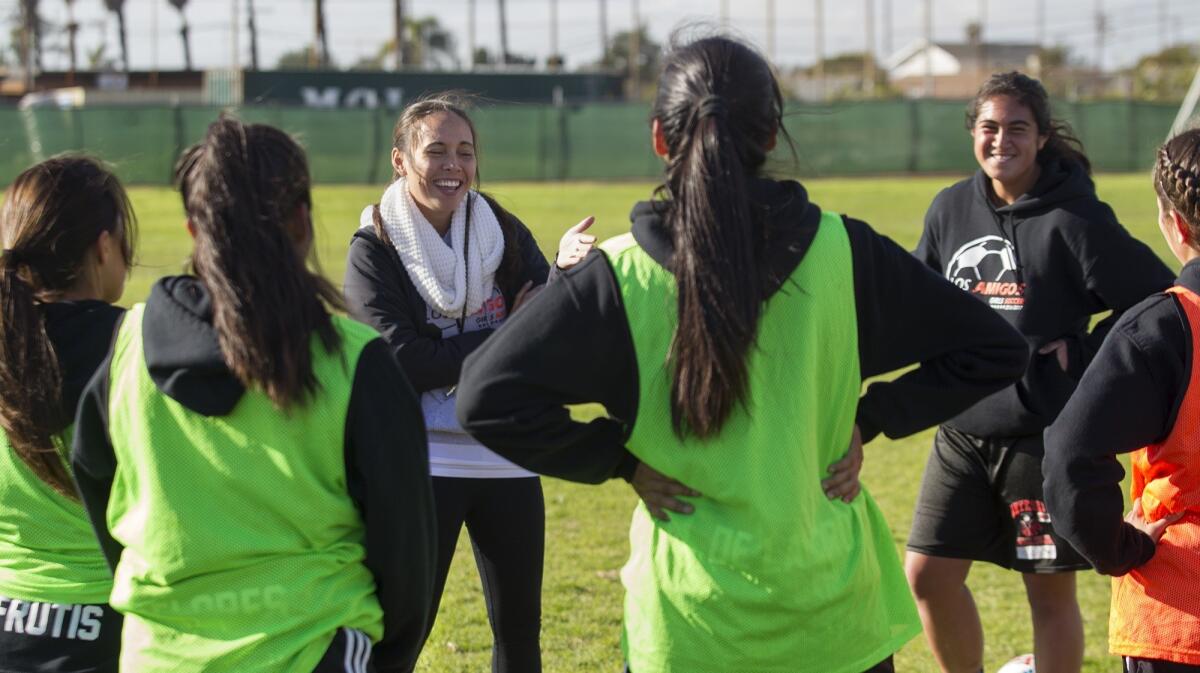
(80, 333)
(1128, 398)
(387, 469)
(572, 345)
(1046, 263)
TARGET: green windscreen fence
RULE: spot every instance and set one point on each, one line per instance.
(597, 141)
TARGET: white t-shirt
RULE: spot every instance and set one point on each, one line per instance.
(452, 452)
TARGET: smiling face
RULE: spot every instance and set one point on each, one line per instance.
(438, 165)
(1007, 141)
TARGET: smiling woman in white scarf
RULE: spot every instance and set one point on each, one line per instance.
(436, 267)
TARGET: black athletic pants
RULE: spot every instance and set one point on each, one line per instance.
(350, 652)
(506, 519)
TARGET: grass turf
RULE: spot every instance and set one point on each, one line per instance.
(586, 527)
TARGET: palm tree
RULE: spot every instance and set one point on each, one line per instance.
(503, 32)
(31, 34)
(118, 7)
(253, 34)
(184, 32)
(322, 46)
(72, 32)
(398, 13)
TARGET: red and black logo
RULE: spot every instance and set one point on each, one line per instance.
(987, 267)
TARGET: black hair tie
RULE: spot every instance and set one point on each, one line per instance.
(712, 105)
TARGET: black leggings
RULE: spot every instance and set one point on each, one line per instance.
(506, 519)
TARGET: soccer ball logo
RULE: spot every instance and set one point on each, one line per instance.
(990, 258)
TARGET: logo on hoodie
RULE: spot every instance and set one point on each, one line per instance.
(987, 267)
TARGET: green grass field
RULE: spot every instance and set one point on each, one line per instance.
(586, 527)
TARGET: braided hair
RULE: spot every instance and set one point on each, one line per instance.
(1177, 178)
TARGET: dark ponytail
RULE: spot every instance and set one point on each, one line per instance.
(719, 108)
(1061, 143)
(244, 188)
(53, 215)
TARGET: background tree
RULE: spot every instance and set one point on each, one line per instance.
(1165, 76)
(503, 31)
(72, 34)
(649, 57)
(320, 54)
(184, 32)
(426, 44)
(252, 25)
(118, 7)
(31, 33)
(300, 58)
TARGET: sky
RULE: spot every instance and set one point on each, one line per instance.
(357, 28)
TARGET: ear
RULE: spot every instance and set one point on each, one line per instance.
(398, 162)
(657, 140)
(1180, 228)
(772, 139)
(191, 228)
(103, 246)
(1042, 141)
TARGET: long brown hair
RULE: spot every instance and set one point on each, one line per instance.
(1061, 142)
(53, 214)
(405, 133)
(719, 107)
(1177, 178)
(243, 188)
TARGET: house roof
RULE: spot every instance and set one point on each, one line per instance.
(960, 56)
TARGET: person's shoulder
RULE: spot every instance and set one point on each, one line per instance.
(1146, 322)
(952, 199)
(366, 236)
(502, 214)
(366, 247)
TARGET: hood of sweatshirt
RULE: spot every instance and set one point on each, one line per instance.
(81, 334)
(1058, 183)
(182, 353)
(780, 212)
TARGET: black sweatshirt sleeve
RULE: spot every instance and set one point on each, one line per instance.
(93, 461)
(1118, 270)
(374, 293)
(533, 264)
(908, 314)
(387, 473)
(927, 250)
(1128, 398)
(514, 389)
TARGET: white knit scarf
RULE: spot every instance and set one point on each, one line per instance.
(436, 270)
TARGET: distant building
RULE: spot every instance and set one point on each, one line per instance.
(946, 70)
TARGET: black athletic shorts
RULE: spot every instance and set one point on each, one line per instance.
(58, 638)
(981, 499)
